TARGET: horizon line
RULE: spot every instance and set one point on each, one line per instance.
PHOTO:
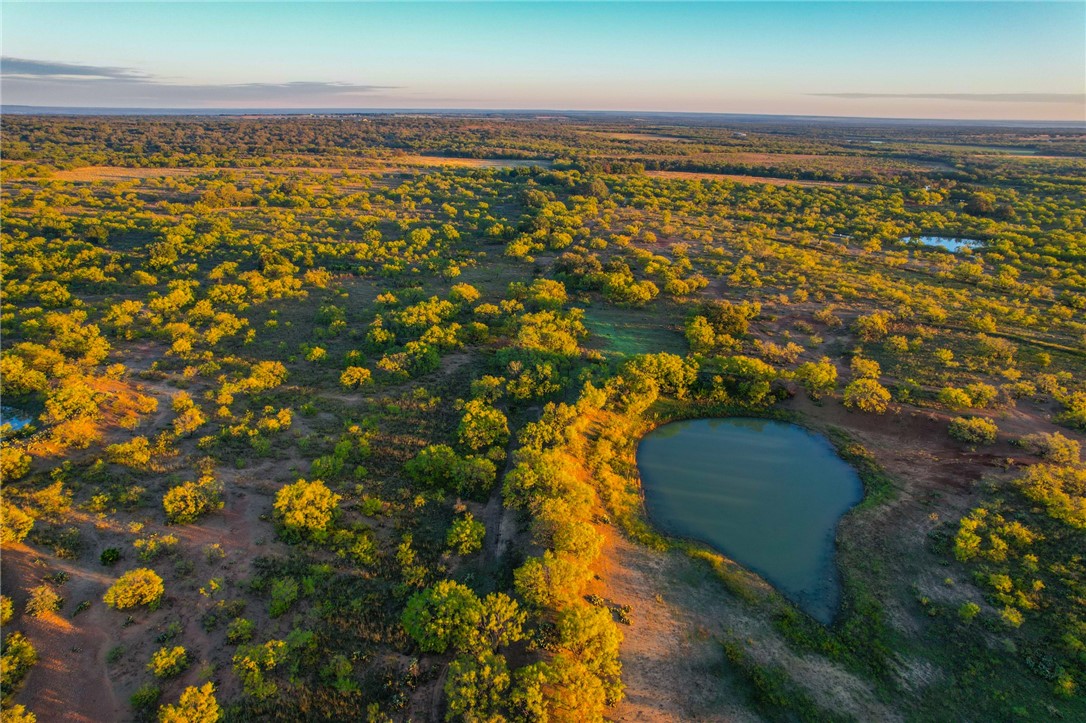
(23, 109)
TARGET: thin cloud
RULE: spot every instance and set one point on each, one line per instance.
(39, 82)
(26, 68)
(980, 97)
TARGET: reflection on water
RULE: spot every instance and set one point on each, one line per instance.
(14, 417)
(767, 494)
(950, 244)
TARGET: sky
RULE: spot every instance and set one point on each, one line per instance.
(960, 60)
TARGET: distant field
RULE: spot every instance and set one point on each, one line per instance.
(419, 160)
(641, 137)
(89, 174)
(694, 175)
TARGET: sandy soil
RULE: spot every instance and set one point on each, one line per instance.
(70, 681)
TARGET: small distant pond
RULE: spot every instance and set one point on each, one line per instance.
(767, 494)
(946, 242)
(16, 418)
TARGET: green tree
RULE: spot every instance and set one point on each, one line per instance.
(476, 687)
(14, 464)
(501, 623)
(591, 636)
(19, 714)
(553, 580)
(465, 535)
(443, 616)
(731, 319)
(873, 326)
(482, 426)
(953, 398)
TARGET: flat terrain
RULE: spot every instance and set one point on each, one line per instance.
(364, 398)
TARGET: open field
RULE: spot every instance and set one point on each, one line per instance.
(694, 176)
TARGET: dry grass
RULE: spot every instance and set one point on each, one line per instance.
(88, 174)
(641, 137)
(695, 176)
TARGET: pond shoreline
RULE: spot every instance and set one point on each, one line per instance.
(783, 526)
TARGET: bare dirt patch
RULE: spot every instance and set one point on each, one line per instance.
(673, 662)
(70, 681)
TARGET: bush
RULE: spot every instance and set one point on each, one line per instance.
(284, 593)
(197, 705)
(136, 587)
(186, 502)
(355, 377)
(110, 556)
(439, 466)
(15, 524)
(43, 600)
(968, 611)
(817, 378)
(973, 430)
(1052, 447)
(15, 661)
(240, 630)
(867, 395)
(306, 510)
(953, 398)
(168, 662)
(145, 696)
(14, 464)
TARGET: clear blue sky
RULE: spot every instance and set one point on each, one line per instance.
(903, 59)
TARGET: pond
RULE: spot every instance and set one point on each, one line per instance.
(767, 494)
(17, 419)
(944, 242)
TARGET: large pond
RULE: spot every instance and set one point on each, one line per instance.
(767, 494)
